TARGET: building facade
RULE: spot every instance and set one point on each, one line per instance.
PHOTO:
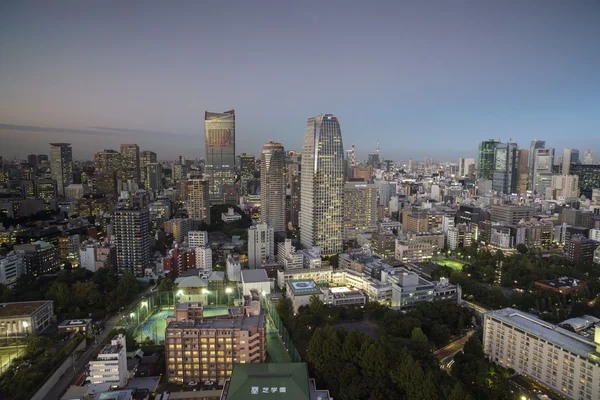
(219, 136)
(61, 165)
(132, 239)
(110, 365)
(261, 245)
(198, 200)
(272, 186)
(360, 209)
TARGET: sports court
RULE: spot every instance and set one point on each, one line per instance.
(7, 354)
(454, 264)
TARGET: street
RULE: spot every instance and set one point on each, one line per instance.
(63, 383)
(446, 354)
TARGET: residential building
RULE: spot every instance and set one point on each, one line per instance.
(20, 319)
(415, 220)
(219, 161)
(288, 257)
(564, 361)
(359, 209)
(197, 239)
(322, 185)
(110, 366)
(204, 260)
(61, 165)
(132, 239)
(272, 186)
(11, 267)
(261, 243)
(179, 228)
(198, 200)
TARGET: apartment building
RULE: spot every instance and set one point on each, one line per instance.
(564, 361)
(110, 365)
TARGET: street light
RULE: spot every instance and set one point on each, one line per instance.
(228, 290)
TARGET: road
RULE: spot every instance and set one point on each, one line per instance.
(474, 307)
(65, 381)
(446, 354)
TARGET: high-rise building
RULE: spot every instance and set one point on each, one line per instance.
(588, 157)
(505, 168)
(197, 239)
(131, 227)
(386, 189)
(581, 250)
(570, 156)
(247, 166)
(563, 187)
(198, 200)
(130, 163)
(153, 177)
(146, 157)
(293, 163)
(219, 131)
(535, 144)
(61, 165)
(261, 244)
(522, 171)
(543, 161)
(562, 360)
(485, 159)
(466, 167)
(107, 161)
(589, 176)
(322, 185)
(179, 228)
(272, 186)
(360, 209)
(32, 160)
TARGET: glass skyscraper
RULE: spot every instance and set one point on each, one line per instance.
(505, 168)
(61, 165)
(485, 160)
(272, 186)
(322, 185)
(219, 162)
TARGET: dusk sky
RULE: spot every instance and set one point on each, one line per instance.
(426, 78)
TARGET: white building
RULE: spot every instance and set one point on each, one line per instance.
(260, 245)
(76, 191)
(204, 259)
(452, 238)
(319, 275)
(288, 257)
(230, 216)
(595, 234)
(11, 267)
(563, 187)
(564, 361)
(255, 279)
(87, 255)
(110, 365)
(197, 239)
(234, 268)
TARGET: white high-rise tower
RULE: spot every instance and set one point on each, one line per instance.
(322, 185)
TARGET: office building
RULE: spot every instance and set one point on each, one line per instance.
(589, 176)
(247, 166)
(130, 163)
(153, 178)
(322, 185)
(12, 266)
(408, 252)
(563, 187)
(132, 239)
(570, 156)
(20, 319)
(146, 157)
(522, 171)
(409, 289)
(198, 200)
(110, 365)
(535, 145)
(272, 186)
(107, 161)
(200, 349)
(504, 178)
(588, 157)
(485, 160)
(580, 250)
(219, 131)
(466, 167)
(61, 165)
(508, 214)
(543, 161)
(261, 245)
(39, 257)
(564, 361)
(386, 190)
(360, 209)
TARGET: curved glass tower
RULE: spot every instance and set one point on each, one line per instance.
(322, 185)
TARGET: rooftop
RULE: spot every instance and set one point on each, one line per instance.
(254, 275)
(75, 322)
(21, 309)
(268, 381)
(564, 282)
(567, 340)
(304, 288)
(221, 323)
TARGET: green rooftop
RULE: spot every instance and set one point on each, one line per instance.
(304, 287)
(268, 381)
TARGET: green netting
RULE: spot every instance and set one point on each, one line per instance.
(288, 344)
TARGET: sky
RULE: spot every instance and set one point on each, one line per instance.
(425, 78)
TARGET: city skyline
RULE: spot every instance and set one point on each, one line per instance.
(436, 73)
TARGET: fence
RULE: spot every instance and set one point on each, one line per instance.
(283, 333)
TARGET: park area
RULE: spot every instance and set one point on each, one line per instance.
(454, 264)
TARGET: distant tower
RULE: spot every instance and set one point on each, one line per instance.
(61, 165)
(322, 185)
(130, 163)
(353, 156)
(272, 186)
(219, 131)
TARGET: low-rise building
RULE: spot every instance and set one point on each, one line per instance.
(301, 291)
(11, 267)
(230, 216)
(75, 325)
(110, 365)
(20, 319)
(564, 285)
(256, 279)
(234, 268)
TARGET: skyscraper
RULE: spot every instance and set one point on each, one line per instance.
(485, 159)
(505, 168)
(198, 203)
(570, 156)
(522, 171)
(132, 239)
(261, 245)
(360, 208)
(153, 177)
(146, 157)
(61, 165)
(219, 132)
(465, 167)
(588, 157)
(535, 144)
(322, 185)
(130, 163)
(272, 186)
(542, 170)
(107, 161)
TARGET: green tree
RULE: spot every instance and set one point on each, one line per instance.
(127, 289)
(166, 285)
(418, 336)
(522, 248)
(61, 294)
